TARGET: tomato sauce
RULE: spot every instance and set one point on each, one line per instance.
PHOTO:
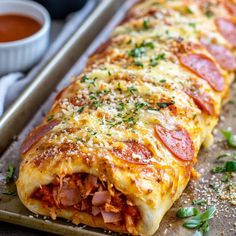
(15, 27)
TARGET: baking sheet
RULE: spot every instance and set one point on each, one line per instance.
(224, 222)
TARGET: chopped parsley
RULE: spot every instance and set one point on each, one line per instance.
(121, 106)
(140, 105)
(140, 49)
(146, 24)
(92, 132)
(164, 104)
(229, 166)
(10, 173)
(193, 25)
(50, 117)
(209, 13)
(80, 110)
(188, 10)
(132, 89)
(223, 155)
(201, 202)
(214, 186)
(9, 192)
(230, 138)
(154, 61)
(84, 79)
(138, 63)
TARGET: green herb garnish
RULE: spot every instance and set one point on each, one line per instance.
(188, 10)
(84, 79)
(9, 192)
(80, 110)
(132, 89)
(230, 138)
(198, 220)
(50, 117)
(140, 105)
(10, 173)
(225, 178)
(187, 212)
(146, 24)
(193, 25)
(209, 13)
(201, 202)
(164, 104)
(140, 49)
(138, 63)
(157, 59)
(229, 166)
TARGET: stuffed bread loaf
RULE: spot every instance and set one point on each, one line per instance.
(119, 144)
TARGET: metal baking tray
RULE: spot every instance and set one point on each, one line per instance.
(12, 210)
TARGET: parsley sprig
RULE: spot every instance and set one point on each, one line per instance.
(230, 138)
(199, 221)
(140, 49)
(10, 173)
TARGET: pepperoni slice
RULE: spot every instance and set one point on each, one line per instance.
(223, 55)
(231, 7)
(37, 134)
(133, 152)
(204, 67)
(228, 30)
(178, 142)
(203, 101)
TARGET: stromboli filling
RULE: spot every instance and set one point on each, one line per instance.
(87, 193)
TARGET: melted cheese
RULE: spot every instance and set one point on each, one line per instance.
(116, 100)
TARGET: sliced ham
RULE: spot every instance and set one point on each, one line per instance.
(89, 184)
(110, 217)
(95, 210)
(85, 204)
(69, 195)
(100, 198)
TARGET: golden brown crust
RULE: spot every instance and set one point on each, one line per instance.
(143, 99)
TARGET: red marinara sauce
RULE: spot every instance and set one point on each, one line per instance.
(15, 27)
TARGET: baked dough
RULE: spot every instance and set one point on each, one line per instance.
(119, 144)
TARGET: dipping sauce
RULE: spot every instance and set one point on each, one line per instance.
(15, 27)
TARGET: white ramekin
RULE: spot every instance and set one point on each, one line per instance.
(22, 54)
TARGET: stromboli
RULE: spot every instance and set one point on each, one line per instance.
(118, 146)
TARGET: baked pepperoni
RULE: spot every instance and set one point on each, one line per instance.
(222, 55)
(204, 67)
(36, 135)
(231, 7)
(177, 141)
(227, 29)
(203, 101)
(133, 152)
